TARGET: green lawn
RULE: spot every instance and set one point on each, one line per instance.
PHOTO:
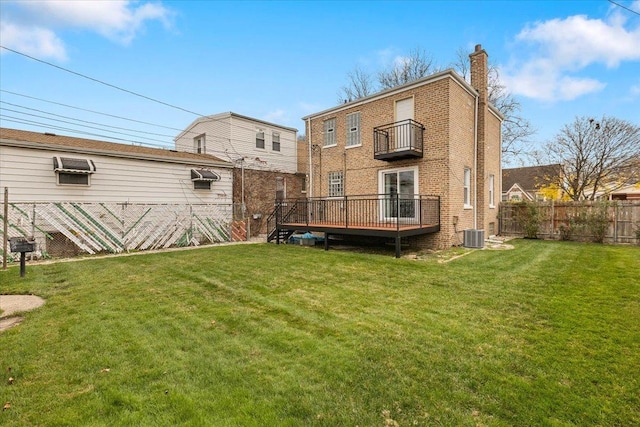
(266, 335)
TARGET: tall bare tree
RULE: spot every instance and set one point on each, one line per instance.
(516, 130)
(406, 69)
(359, 85)
(595, 155)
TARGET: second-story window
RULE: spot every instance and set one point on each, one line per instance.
(260, 138)
(353, 129)
(275, 141)
(198, 144)
(329, 132)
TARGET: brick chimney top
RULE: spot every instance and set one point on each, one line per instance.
(478, 47)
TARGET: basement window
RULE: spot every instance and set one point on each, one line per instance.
(202, 178)
(73, 171)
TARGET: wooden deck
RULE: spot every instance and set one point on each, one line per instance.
(390, 229)
(380, 215)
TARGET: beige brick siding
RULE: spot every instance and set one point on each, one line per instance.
(447, 110)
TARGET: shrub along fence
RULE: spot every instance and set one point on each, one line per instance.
(589, 221)
(66, 229)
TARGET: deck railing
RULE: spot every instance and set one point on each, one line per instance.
(362, 211)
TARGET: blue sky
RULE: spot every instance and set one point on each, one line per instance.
(280, 61)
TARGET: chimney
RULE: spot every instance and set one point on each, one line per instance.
(480, 82)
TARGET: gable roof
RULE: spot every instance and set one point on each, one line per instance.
(228, 114)
(50, 141)
(448, 73)
(528, 178)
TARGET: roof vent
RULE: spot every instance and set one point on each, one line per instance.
(50, 134)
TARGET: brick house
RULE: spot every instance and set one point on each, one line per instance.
(418, 163)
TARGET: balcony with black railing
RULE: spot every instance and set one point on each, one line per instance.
(399, 140)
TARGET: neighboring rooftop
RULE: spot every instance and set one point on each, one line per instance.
(529, 178)
(57, 142)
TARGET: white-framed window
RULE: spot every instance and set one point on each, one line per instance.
(353, 129)
(199, 144)
(260, 138)
(202, 178)
(336, 184)
(329, 132)
(492, 191)
(275, 141)
(73, 171)
(467, 187)
(202, 185)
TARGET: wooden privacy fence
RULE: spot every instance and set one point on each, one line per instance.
(68, 229)
(614, 221)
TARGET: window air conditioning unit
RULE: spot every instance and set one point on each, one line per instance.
(473, 238)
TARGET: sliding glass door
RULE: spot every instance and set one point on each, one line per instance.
(399, 189)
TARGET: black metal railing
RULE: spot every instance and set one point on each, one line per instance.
(377, 211)
(398, 140)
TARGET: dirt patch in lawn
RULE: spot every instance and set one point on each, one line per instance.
(12, 304)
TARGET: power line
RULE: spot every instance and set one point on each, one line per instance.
(90, 111)
(101, 82)
(78, 120)
(208, 118)
(71, 123)
(218, 153)
(624, 7)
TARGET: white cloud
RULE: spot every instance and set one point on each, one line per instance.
(275, 116)
(635, 90)
(33, 41)
(117, 20)
(560, 49)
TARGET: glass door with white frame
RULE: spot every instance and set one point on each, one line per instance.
(399, 188)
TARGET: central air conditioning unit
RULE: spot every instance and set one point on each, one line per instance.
(473, 239)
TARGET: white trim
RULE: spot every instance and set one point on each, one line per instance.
(381, 174)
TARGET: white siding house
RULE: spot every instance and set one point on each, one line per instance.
(113, 172)
(232, 137)
(75, 195)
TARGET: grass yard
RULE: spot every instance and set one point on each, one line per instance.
(266, 335)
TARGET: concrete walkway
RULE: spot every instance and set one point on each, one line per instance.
(11, 304)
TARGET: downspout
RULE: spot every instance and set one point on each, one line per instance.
(475, 166)
(310, 165)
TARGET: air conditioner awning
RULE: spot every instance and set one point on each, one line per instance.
(204, 175)
(71, 165)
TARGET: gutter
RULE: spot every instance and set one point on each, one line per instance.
(475, 165)
(310, 171)
(135, 156)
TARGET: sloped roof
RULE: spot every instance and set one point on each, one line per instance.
(15, 137)
(529, 178)
(225, 115)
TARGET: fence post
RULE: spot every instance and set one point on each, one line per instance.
(5, 227)
(615, 223)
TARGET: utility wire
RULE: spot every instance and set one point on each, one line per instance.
(101, 82)
(90, 111)
(78, 120)
(208, 118)
(71, 123)
(624, 7)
